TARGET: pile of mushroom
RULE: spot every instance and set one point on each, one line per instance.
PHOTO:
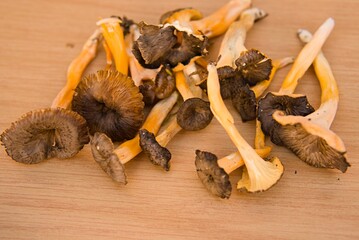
(159, 80)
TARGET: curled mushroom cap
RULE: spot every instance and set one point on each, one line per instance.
(213, 177)
(194, 114)
(244, 101)
(158, 45)
(102, 150)
(110, 103)
(293, 104)
(157, 154)
(44, 134)
(312, 143)
(165, 82)
(148, 91)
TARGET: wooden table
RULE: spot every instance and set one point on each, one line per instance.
(74, 199)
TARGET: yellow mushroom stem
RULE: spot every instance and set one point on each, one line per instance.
(325, 114)
(131, 148)
(219, 21)
(306, 57)
(75, 71)
(184, 16)
(182, 86)
(260, 175)
(138, 73)
(108, 55)
(233, 41)
(190, 72)
(260, 87)
(113, 34)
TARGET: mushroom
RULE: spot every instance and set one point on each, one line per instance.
(218, 22)
(165, 82)
(168, 44)
(260, 174)
(45, 133)
(114, 37)
(110, 103)
(112, 159)
(157, 154)
(148, 91)
(181, 15)
(310, 137)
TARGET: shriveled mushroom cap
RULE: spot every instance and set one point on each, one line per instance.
(102, 150)
(110, 103)
(313, 144)
(214, 178)
(194, 114)
(165, 82)
(157, 154)
(148, 91)
(294, 104)
(44, 134)
(244, 101)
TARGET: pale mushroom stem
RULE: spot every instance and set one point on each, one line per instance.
(75, 71)
(233, 42)
(219, 21)
(306, 57)
(182, 86)
(190, 72)
(113, 34)
(325, 114)
(108, 55)
(184, 16)
(131, 148)
(261, 174)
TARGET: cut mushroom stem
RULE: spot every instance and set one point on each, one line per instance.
(219, 21)
(75, 71)
(306, 57)
(260, 174)
(113, 34)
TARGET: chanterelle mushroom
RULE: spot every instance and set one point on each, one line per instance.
(44, 134)
(110, 103)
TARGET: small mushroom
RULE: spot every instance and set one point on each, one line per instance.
(213, 177)
(148, 91)
(194, 114)
(110, 103)
(165, 82)
(157, 154)
(244, 101)
(44, 134)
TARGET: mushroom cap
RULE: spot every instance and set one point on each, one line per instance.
(254, 66)
(194, 114)
(102, 150)
(213, 177)
(157, 154)
(313, 144)
(148, 91)
(165, 82)
(110, 103)
(44, 134)
(159, 45)
(244, 101)
(294, 104)
(190, 13)
(228, 79)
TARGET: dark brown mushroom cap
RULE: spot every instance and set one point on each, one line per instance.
(44, 134)
(297, 105)
(148, 91)
(213, 177)
(165, 82)
(102, 150)
(157, 154)
(244, 101)
(166, 45)
(312, 148)
(254, 66)
(110, 103)
(228, 79)
(194, 114)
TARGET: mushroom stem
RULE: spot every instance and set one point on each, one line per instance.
(182, 86)
(325, 114)
(261, 174)
(171, 129)
(108, 55)
(113, 34)
(190, 72)
(219, 21)
(129, 149)
(306, 56)
(260, 87)
(75, 71)
(233, 42)
(183, 16)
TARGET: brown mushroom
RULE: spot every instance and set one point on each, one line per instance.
(157, 154)
(148, 91)
(44, 134)
(213, 177)
(110, 103)
(165, 82)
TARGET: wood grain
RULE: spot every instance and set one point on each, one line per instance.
(74, 199)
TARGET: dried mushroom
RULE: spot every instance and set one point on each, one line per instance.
(213, 177)
(44, 134)
(244, 101)
(165, 82)
(157, 154)
(110, 103)
(148, 91)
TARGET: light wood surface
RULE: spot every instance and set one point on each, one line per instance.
(74, 199)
